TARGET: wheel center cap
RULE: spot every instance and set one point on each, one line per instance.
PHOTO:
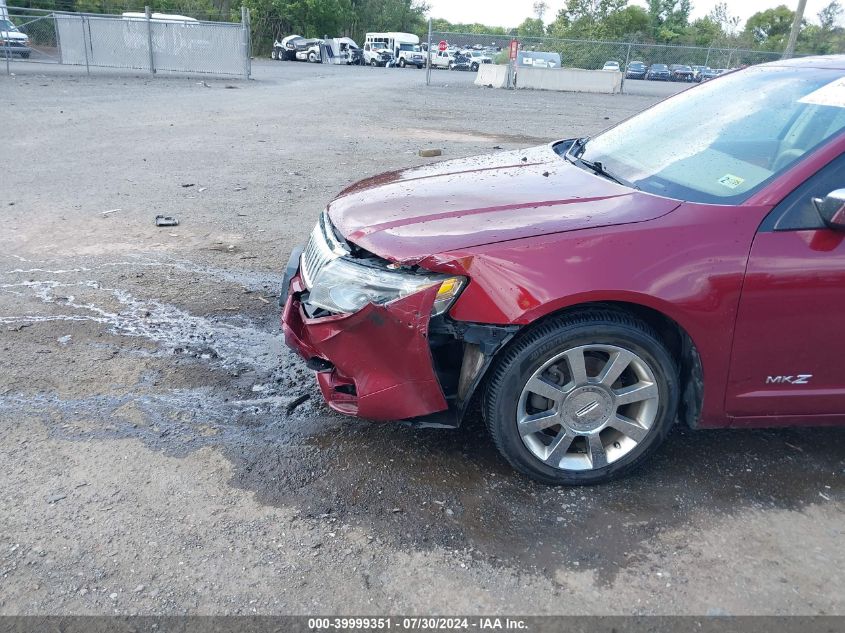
(587, 408)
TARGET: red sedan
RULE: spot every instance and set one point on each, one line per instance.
(590, 293)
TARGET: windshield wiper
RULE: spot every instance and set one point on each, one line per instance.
(599, 169)
(574, 157)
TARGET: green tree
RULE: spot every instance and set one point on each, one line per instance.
(628, 23)
(825, 38)
(531, 27)
(704, 32)
(721, 15)
(585, 19)
(669, 19)
(769, 29)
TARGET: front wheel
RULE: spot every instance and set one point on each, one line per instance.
(582, 399)
(474, 68)
(374, 63)
(402, 63)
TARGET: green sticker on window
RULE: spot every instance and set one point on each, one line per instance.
(730, 181)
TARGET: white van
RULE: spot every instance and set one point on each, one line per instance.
(405, 47)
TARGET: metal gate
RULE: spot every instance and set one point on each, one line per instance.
(146, 41)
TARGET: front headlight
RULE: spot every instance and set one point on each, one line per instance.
(344, 286)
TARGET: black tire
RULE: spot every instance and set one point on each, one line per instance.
(419, 67)
(402, 63)
(474, 68)
(374, 63)
(535, 347)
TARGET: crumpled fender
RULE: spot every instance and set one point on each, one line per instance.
(382, 349)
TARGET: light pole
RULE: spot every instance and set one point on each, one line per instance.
(796, 27)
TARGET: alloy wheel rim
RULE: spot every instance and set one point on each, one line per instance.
(587, 407)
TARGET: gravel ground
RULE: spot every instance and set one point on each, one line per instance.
(157, 453)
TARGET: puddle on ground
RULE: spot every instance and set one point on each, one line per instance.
(414, 489)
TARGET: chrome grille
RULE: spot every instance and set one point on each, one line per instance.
(322, 247)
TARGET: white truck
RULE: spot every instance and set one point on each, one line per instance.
(405, 47)
(476, 58)
(12, 41)
(442, 59)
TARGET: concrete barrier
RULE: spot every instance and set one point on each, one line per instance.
(569, 80)
(495, 75)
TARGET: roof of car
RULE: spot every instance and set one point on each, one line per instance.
(836, 62)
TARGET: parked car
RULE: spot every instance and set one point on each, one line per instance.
(711, 73)
(442, 59)
(679, 72)
(591, 292)
(12, 41)
(461, 61)
(636, 70)
(375, 54)
(614, 66)
(698, 72)
(476, 58)
(658, 72)
(411, 55)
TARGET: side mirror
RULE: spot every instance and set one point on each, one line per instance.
(831, 209)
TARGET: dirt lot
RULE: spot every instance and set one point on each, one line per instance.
(155, 460)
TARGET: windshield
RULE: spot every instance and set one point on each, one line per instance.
(660, 67)
(759, 122)
(5, 25)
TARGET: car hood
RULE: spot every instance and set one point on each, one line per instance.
(408, 215)
(14, 35)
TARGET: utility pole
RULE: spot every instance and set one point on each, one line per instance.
(796, 27)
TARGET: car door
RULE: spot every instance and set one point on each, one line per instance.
(789, 343)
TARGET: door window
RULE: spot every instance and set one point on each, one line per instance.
(796, 212)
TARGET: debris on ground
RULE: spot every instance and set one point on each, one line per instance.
(166, 220)
(293, 404)
(110, 211)
(429, 153)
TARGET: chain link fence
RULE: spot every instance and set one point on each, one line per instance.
(593, 54)
(143, 41)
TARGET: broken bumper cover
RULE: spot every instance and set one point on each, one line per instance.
(375, 363)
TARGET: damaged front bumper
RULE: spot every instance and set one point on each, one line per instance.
(393, 361)
(374, 363)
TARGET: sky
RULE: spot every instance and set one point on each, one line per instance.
(510, 13)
